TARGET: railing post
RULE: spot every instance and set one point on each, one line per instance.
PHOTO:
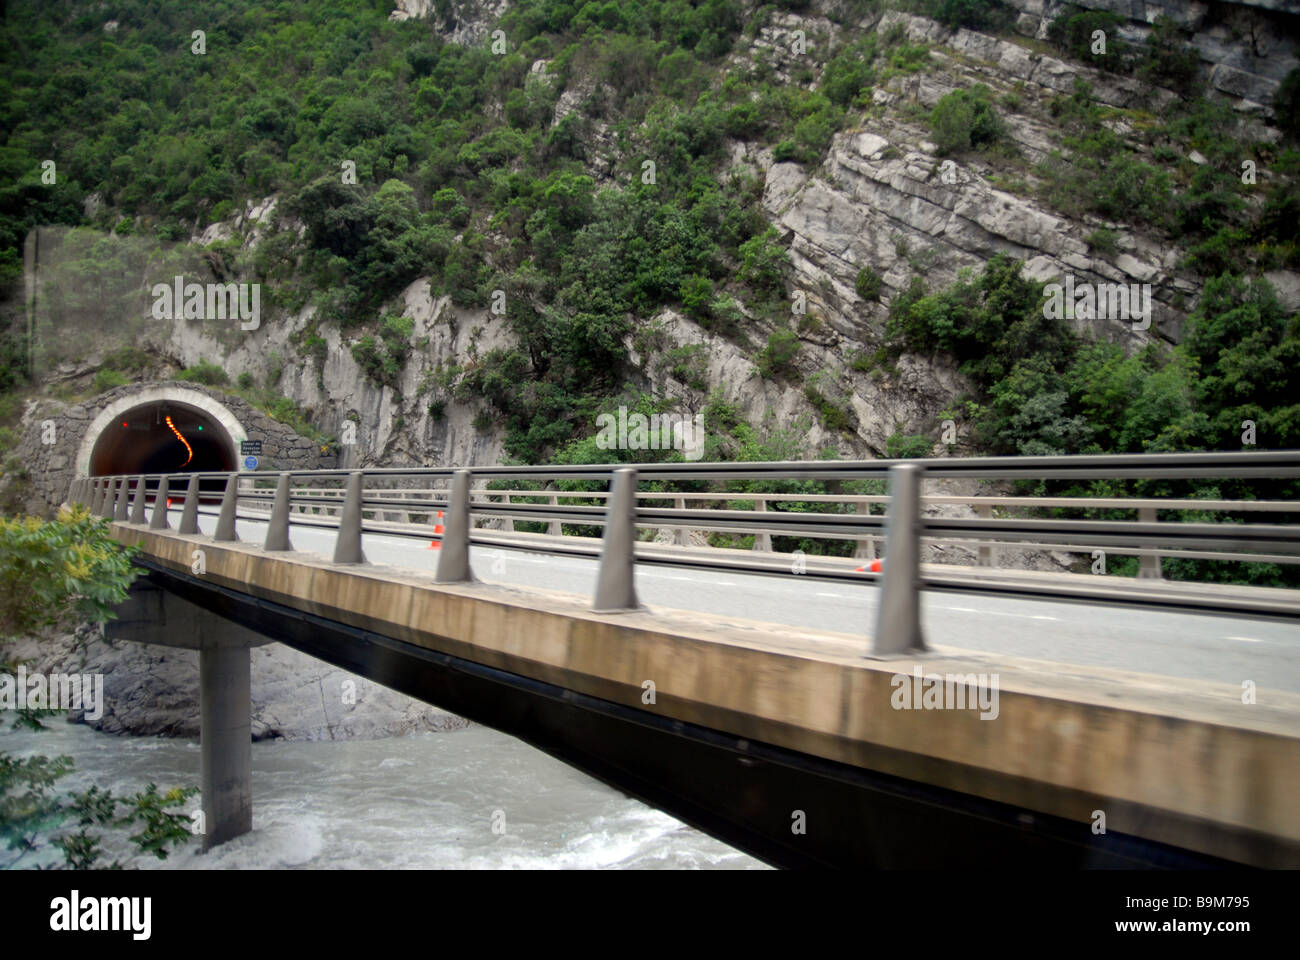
(987, 558)
(453, 559)
(190, 515)
(94, 497)
(762, 541)
(159, 519)
(122, 510)
(347, 548)
(898, 616)
(229, 501)
(556, 529)
(277, 531)
(509, 525)
(616, 582)
(137, 505)
(110, 494)
(1149, 564)
(682, 537)
(865, 549)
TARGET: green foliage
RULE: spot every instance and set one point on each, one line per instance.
(107, 379)
(833, 415)
(1286, 104)
(988, 322)
(205, 372)
(688, 364)
(964, 119)
(900, 446)
(848, 76)
(1239, 361)
(976, 14)
(777, 358)
(1104, 240)
(763, 263)
(55, 572)
(697, 294)
(1102, 176)
(1073, 30)
(383, 358)
(868, 284)
(1168, 61)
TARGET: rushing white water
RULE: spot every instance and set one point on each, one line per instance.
(423, 801)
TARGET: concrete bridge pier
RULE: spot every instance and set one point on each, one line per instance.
(151, 615)
(226, 742)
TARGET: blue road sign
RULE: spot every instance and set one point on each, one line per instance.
(250, 463)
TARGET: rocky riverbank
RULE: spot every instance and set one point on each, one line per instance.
(154, 691)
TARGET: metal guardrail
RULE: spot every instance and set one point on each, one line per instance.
(127, 498)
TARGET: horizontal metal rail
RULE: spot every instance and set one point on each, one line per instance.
(383, 499)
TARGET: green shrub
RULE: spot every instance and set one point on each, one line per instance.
(205, 372)
(1104, 240)
(107, 379)
(777, 358)
(127, 359)
(965, 119)
(1286, 105)
(787, 151)
(972, 13)
(868, 284)
(1169, 62)
(832, 415)
(1073, 32)
(847, 79)
(724, 316)
(906, 447)
(763, 262)
(697, 294)
(55, 572)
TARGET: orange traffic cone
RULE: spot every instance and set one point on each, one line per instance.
(437, 532)
(875, 566)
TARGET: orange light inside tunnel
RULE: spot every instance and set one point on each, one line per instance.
(181, 438)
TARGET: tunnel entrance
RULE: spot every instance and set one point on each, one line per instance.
(162, 437)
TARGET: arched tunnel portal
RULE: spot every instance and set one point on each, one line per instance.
(163, 437)
(170, 430)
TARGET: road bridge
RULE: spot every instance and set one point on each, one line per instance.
(758, 695)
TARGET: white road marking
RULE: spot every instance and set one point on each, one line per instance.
(999, 613)
(1243, 639)
(669, 576)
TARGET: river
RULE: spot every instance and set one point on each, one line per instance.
(426, 801)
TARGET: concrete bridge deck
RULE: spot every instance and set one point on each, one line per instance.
(754, 723)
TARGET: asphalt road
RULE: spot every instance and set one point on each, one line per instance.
(1217, 649)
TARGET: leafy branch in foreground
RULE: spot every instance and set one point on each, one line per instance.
(54, 573)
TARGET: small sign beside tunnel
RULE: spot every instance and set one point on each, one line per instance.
(250, 448)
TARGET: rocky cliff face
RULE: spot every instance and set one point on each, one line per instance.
(1247, 46)
(883, 198)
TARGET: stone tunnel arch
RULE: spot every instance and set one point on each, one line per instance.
(132, 434)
